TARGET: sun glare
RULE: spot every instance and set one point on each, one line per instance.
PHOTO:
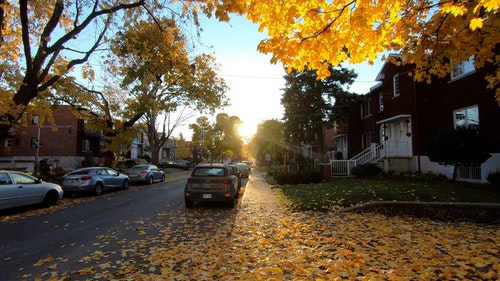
(246, 130)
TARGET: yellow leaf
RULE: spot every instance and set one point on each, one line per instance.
(43, 261)
(476, 23)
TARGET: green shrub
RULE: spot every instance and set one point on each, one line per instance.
(366, 170)
(494, 178)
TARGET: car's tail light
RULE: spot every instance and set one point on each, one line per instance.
(143, 172)
(85, 178)
(189, 180)
(227, 181)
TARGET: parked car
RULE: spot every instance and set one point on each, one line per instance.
(124, 165)
(145, 174)
(236, 172)
(20, 189)
(243, 169)
(249, 163)
(96, 180)
(173, 164)
(212, 182)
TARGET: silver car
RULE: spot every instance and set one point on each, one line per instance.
(95, 180)
(145, 174)
(243, 169)
(20, 189)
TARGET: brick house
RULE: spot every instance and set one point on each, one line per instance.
(66, 143)
(394, 121)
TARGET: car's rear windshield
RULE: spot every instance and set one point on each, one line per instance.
(209, 172)
(138, 168)
(80, 172)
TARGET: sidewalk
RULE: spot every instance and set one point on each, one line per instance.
(259, 196)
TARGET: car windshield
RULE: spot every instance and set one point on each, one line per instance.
(209, 172)
(242, 166)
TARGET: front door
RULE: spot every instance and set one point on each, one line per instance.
(398, 138)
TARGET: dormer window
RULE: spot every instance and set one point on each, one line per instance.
(395, 85)
(462, 68)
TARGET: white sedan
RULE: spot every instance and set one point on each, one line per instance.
(20, 189)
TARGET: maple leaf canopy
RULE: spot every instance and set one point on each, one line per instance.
(427, 33)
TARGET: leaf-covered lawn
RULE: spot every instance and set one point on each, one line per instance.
(338, 193)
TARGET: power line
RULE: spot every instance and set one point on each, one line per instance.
(279, 78)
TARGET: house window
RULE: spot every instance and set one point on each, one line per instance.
(395, 85)
(462, 68)
(366, 108)
(86, 145)
(381, 102)
(8, 142)
(35, 120)
(466, 117)
(366, 140)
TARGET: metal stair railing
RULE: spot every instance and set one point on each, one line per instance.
(370, 155)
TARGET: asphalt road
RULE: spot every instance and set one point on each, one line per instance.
(86, 231)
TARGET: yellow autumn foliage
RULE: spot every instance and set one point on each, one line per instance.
(430, 34)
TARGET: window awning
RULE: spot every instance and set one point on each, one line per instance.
(394, 118)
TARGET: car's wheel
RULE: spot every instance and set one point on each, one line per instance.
(125, 185)
(233, 202)
(50, 198)
(163, 178)
(98, 189)
(189, 203)
(151, 180)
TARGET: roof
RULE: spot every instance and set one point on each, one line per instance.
(380, 74)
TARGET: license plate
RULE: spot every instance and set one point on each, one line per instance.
(207, 196)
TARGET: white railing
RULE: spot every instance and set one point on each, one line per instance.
(369, 155)
(469, 172)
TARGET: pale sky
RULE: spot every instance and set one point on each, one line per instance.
(255, 84)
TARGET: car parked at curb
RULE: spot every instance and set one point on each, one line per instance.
(21, 189)
(145, 174)
(243, 169)
(94, 180)
(212, 182)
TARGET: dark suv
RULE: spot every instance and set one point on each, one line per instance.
(212, 182)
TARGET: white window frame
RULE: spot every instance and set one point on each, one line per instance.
(469, 113)
(462, 68)
(381, 101)
(395, 85)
